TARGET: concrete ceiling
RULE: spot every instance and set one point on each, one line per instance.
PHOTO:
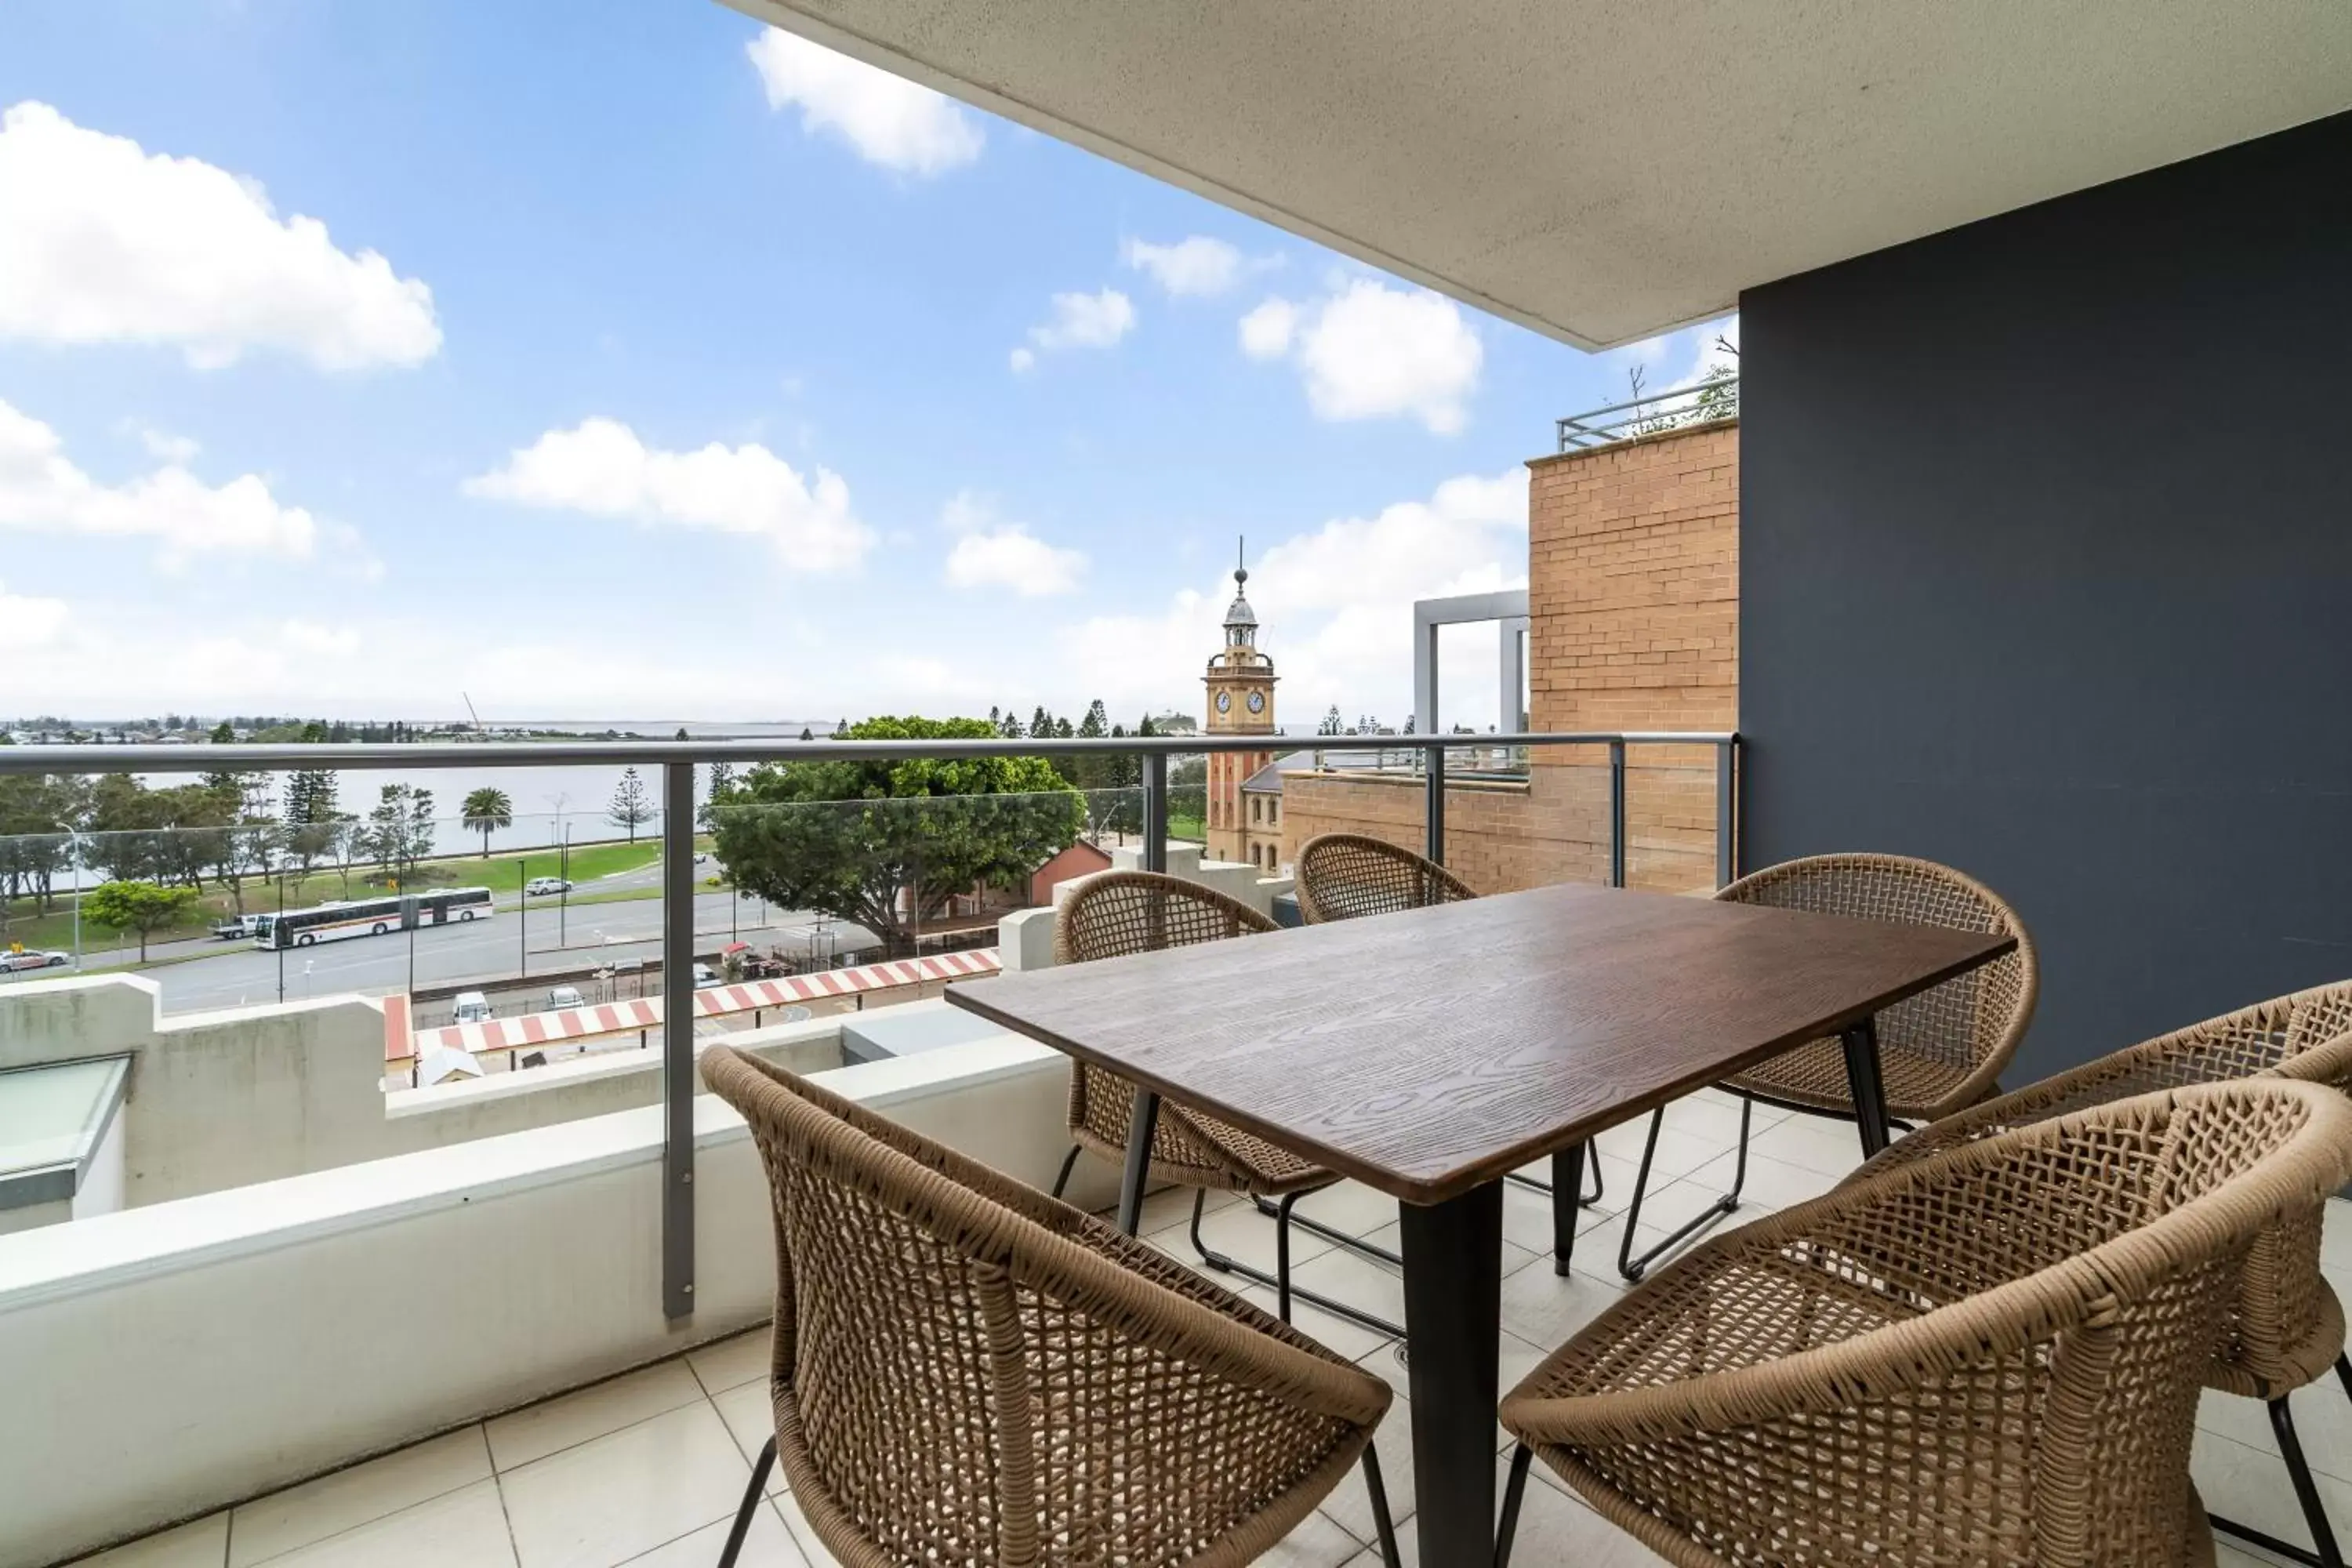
(1602, 172)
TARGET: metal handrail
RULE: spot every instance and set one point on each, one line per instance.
(1646, 415)
(676, 760)
(203, 758)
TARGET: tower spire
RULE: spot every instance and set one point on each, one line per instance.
(1241, 559)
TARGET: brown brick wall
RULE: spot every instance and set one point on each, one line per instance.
(1634, 624)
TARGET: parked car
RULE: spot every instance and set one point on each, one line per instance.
(34, 958)
(564, 996)
(545, 887)
(473, 1007)
(705, 975)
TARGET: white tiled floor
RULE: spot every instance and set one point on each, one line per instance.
(645, 1469)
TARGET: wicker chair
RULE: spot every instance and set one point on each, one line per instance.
(2288, 1326)
(1992, 1357)
(1938, 1051)
(1342, 876)
(1346, 876)
(1120, 912)
(968, 1373)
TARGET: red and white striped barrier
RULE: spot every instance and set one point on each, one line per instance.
(566, 1025)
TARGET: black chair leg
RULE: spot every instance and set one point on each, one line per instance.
(1069, 1163)
(750, 1504)
(1330, 1233)
(1381, 1523)
(1514, 1493)
(1284, 1292)
(2306, 1495)
(2306, 1491)
(1633, 1267)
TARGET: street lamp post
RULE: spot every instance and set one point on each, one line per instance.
(563, 891)
(73, 850)
(522, 916)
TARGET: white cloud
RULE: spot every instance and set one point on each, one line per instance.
(1194, 264)
(166, 446)
(41, 490)
(310, 637)
(104, 243)
(1368, 350)
(1266, 332)
(602, 468)
(28, 623)
(1023, 361)
(1336, 606)
(992, 553)
(1094, 321)
(888, 119)
(1015, 559)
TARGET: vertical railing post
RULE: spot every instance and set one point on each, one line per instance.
(1433, 807)
(1616, 814)
(678, 1039)
(1727, 813)
(1155, 811)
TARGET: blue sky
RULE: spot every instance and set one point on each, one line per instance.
(651, 362)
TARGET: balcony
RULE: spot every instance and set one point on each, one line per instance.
(406, 1324)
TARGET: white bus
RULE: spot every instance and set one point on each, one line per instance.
(371, 917)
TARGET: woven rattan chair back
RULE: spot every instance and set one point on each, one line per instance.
(1992, 1356)
(968, 1373)
(2288, 1327)
(1944, 1047)
(1342, 876)
(1121, 912)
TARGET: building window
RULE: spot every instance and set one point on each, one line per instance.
(1257, 809)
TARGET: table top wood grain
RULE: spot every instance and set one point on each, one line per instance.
(1427, 1052)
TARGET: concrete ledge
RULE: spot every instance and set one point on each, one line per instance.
(239, 1342)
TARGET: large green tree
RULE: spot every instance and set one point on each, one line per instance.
(487, 810)
(886, 844)
(143, 907)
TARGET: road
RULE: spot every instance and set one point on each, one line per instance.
(230, 975)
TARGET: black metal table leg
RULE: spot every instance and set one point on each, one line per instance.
(1567, 1186)
(1453, 1312)
(1869, 1089)
(1138, 1160)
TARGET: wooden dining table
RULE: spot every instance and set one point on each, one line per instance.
(1429, 1053)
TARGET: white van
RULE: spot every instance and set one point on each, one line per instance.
(562, 996)
(473, 1007)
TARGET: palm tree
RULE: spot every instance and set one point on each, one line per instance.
(487, 810)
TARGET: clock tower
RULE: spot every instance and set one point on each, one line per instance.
(1240, 684)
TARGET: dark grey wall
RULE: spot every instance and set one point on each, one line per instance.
(2046, 573)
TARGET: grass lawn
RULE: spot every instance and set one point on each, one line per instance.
(503, 873)
(1192, 829)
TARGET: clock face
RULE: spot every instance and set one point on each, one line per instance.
(1224, 701)
(1257, 701)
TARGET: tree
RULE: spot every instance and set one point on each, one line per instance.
(884, 845)
(308, 815)
(722, 779)
(143, 907)
(223, 734)
(681, 732)
(399, 831)
(633, 803)
(485, 810)
(1332, 723)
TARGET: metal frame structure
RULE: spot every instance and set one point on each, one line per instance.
(1677, 408)
(676, 761)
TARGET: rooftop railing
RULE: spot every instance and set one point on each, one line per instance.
(676, 763)
(1653, 414)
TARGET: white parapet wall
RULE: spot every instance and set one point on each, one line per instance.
(165, 1362)
(223, 1100)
